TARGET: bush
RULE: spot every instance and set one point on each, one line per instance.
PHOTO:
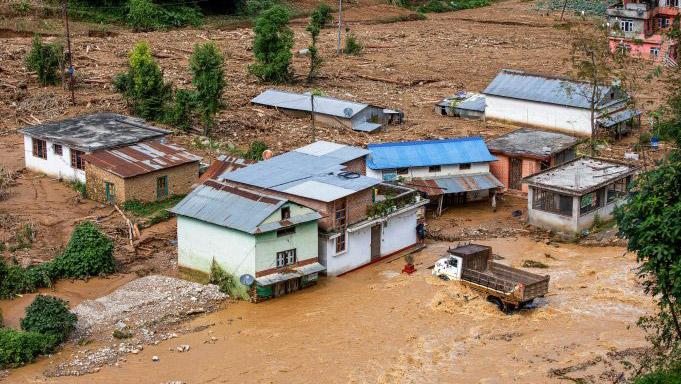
(352, 46)
(228, 283)
(49, 316)
(272, 46)
(14, 280)
(88, 253)
(144, 15)
(45, 60)
(255, 150)
(208, 77)
(18, 348)
(669, 376)
(321, 16)
(180, 115)
(256, 7)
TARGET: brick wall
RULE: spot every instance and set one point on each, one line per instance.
(94, 183)
(500, 169)
(358, 165)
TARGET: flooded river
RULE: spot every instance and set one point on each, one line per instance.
(378, 326)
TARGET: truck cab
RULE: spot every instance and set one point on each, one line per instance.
(448, 268)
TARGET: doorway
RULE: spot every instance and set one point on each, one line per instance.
(514, 173)
(376, 241)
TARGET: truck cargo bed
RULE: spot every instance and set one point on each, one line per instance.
(509, 284)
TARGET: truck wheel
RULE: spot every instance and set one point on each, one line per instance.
(444, 277)
(496, 301)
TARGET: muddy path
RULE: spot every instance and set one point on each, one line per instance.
(376, 325)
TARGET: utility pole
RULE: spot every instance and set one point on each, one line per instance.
(340, 25)
(312, 115)
(68, 52)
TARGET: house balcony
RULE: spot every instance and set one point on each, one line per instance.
(391, 198)
(630, 11)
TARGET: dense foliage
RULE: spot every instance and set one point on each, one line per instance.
(18, 348)
(45, 59)
(88, 253)
(228, 283)
(208, 76)
(439, 6)
(272, 46)
(145, 15)
(255, 150)
(321, 16)
(352, 46)
(49, 316)
(142, 86)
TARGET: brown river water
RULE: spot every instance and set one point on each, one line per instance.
(376, 325)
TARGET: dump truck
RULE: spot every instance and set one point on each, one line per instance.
(507, 287)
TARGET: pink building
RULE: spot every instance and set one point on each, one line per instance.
(640, 26)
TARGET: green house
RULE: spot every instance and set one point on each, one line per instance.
(248, 233)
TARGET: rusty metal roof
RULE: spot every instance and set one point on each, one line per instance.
(224, 164)
(141, 158)
(454, 184)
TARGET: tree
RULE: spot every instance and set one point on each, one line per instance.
(596, 66)
(315, 61)
(88, 253)
(45, 60)
(50, 316)
(321, 16)
(143, 86)
(206, 65)
(272, 46)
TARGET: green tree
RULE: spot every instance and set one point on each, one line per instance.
(272, 46)
(352, 46)
(143, 86)
(321, 16)
(315, 61)
(50, 316)
(207, 67)
(45, 60)
(88, 253)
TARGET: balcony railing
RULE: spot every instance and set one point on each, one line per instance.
(389, 198)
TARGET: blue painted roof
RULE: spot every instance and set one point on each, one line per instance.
(427, 153)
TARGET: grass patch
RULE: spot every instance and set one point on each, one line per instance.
(228, 283)
(152, 208)
(534, 264)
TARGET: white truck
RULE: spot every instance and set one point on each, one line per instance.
(505, 286)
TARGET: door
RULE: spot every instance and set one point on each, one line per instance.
(376, 242)
(110, 193)
(514, 173)
(161, 187)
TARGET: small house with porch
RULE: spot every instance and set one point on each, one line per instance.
(57, 148)
(450, 171)
(247, 232)
(524, 152)
(569, 197)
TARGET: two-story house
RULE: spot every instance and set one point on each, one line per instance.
(447, 172)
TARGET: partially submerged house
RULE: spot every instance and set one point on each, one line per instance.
(465, 105)
(330, 111)
(569, 197)
(57, 148)
(557, 104)
(451, 171)
(524, 152)
(148, 171)
(361, 220)
(246, 232)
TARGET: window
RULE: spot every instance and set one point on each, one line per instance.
(57, 149)
(626, 25)
(161, 187)
(77, 159)
(464, 166)
(340, 243)
(286, 231)
(402, 171)
(654, 52)
(544, 164)
(285, 258)
(616, 190)
(285, 213)
(434, 168)
(591, 201)
(340, 216)
(39, 148)
(553, 202)
(389, 174)
(663, 22)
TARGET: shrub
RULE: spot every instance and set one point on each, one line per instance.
(208, 77)
(228, 283)
(672, 375)
(256, 7)
(352, 46)
(144, 15)
(18, 348)
(272, 46)
(255, 150)
(49, 316)
(88, 253)
(180, 114)
(45, 60)
(321, 16)
(14, 280)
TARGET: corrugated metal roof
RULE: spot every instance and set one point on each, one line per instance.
(314, 171)
(141, 158)
(97, 131)
(427, 153)
(228, 206)
(455, 184)
(476, 102)
(545, 89)
(618, 117)
(294, 273)
(302, 102)
(531, 143)
(366, 127)
(224, 164)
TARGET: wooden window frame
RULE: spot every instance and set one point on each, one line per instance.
(341, 243)
(58, 149)
(286, 231)
(77, 161)
(285, 213)
(39, 148)
(286, 258)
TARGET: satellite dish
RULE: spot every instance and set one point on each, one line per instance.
(348, 112)
(247, 280)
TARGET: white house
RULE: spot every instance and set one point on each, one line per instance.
(56, 148)
(359, 224)
(556, 104)
(447, 171)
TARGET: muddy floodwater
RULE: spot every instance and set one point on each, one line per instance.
(379, 326)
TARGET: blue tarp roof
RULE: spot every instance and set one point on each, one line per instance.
(427, 153)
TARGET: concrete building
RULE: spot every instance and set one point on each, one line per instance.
(448, 172)
(330, 111)
(359, 224)
(568, 198)
(246, 232)
(145, 172)
(463, 105)
(57, 148)
(640, 27)
(524, 152)
(554, 103)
